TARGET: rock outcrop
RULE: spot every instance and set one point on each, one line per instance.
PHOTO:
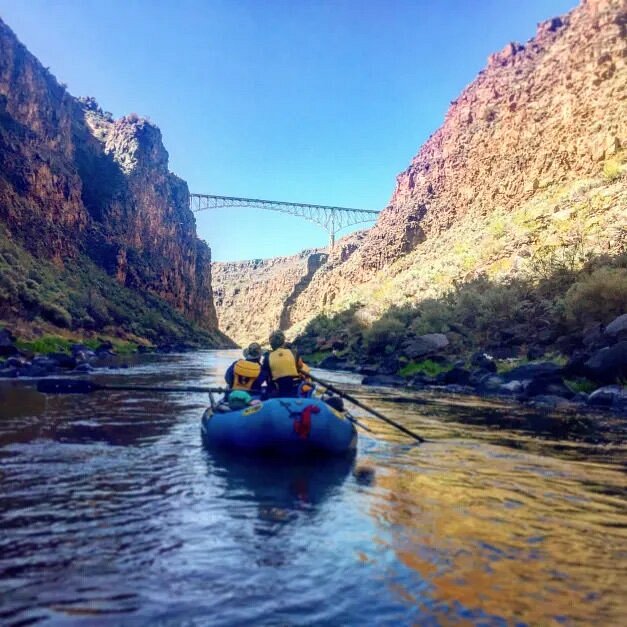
(254, 297)
(74, 182)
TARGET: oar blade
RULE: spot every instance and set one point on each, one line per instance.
(66, 386)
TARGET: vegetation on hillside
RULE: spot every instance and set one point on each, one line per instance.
(544, 311)
(80, 298)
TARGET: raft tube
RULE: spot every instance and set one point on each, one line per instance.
(283, 427)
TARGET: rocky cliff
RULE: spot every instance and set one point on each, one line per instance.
(528, 164)
(77, 185)
(255, 297)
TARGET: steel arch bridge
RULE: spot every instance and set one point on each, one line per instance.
(332, 219)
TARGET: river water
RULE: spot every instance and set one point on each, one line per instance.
(112, 513)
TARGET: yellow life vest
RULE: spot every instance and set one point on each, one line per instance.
(282, 364)
(244, 374)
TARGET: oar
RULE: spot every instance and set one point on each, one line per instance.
(82, 386)
(374, 412)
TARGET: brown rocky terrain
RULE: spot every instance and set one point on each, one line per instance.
(77, 185)
(254, 297)
(529, 161)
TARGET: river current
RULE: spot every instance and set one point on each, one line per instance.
(112, 513)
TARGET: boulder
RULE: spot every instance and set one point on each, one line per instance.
(422, 380)
(17, 362)
(439, 340)
(552, 385)
(566, 344)
(368, 369)
(593, 336)
(455, 388)
(552, 401)
(457, 376)
(535, 352)
(63, 360)
(533, 371)
(614, 396)
(483, 361)
(576, 365)
(7, 343)
(513, 388)
(617, 327)
(384, 380)
(33, 370)
(489, 383)
(608, 364)
(424, 345)
(84, 356)
(505, 352)
(334, 363)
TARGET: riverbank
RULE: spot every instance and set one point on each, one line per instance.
(592, 377)
(47, 355)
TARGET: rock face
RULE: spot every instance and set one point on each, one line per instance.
(528, 156)
(538, 114)
(75, 182)
(254, 297)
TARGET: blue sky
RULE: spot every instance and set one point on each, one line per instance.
(321, 101)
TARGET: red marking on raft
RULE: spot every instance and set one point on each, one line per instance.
(303, 426)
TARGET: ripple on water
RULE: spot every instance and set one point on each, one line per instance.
(112, 513)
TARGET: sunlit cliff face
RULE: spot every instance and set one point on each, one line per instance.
(521, 160)
(74, 181)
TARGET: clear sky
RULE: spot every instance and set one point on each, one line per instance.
(318, 101)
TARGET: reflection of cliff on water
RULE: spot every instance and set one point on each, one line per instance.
(502, 537)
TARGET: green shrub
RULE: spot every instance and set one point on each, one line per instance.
(599, 297)
(612, 170)
(581, 385)
(384, 336)
(46, 344)
(426, 366)
(55, 314)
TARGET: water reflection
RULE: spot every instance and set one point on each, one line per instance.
(111, 512)
(484, 539)
(275, 483)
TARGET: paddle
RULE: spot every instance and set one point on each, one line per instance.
(82, 386)
(374, 412)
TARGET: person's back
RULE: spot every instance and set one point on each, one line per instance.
(246, 374)
(281, 366)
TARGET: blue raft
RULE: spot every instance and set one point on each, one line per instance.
(283, 427)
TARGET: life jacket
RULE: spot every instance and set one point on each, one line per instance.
(282, 364)
(244, 374)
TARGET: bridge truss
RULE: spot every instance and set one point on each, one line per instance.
(332, 219)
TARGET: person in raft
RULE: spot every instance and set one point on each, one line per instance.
(282, 367)
(246, 374)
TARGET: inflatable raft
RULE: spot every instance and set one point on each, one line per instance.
(283, 427)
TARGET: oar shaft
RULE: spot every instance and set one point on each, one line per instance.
(374, 412)
(160, 388)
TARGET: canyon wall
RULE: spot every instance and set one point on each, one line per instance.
(75, 183)
(529, 156)
(255, 297)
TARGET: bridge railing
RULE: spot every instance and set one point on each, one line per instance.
(332, 219)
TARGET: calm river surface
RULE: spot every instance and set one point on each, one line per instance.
(112, 513)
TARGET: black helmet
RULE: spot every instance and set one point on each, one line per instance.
(277, 339)
(253, 351)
